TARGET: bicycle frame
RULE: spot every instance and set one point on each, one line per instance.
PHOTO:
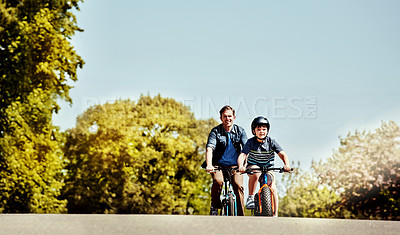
(264, 179)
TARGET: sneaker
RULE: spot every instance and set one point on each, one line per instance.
(213, 211)
(250, 202)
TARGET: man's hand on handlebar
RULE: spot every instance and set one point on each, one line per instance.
(210, 169)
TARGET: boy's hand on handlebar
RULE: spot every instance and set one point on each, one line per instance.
(210, 169)
(242, 169)
(287, 168)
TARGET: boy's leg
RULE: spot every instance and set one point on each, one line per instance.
(273, 187)
(253, 179)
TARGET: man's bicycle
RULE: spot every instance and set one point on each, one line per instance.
(264, 199)
(228, 197)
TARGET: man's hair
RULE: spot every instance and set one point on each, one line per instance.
(226, 107)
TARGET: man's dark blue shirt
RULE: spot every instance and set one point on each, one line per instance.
(218, 141)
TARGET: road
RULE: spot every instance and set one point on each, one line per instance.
(181, 224)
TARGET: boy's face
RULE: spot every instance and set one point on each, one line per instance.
(261, 132)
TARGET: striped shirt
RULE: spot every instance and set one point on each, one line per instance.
(261, 154)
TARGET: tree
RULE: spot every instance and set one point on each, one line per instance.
(30, 176)
(305, 196)
(35, 51)
(36, 63)
(142, 157)
(366, 172)
(361, 180)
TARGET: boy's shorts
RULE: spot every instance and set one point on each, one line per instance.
(270, 174)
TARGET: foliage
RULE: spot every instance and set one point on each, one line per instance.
(141, 157)
(305, 196)
(361, 180)
(36, 63)
(31, 161)
(366, 171)
(35, 51)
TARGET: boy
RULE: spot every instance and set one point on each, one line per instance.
(260, 151)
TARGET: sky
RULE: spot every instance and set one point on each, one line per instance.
(316, 69)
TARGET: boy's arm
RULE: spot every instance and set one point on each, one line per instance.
(241, 160)
(285, 160)
(243, 156)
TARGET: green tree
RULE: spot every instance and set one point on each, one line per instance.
(305, 196)
(361, 180)
(366, 172)
(137, 157)
(36, 63)
(35, 51)
(30, 176)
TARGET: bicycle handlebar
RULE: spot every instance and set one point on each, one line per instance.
(251, 171)
(219, 168)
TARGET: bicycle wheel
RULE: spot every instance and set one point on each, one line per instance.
(231, 205)
(265, 207)
(224, 207)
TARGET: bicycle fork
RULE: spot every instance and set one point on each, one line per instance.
(228, 191)
(266, 181)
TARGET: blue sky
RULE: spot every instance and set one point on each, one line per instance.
(317, 69)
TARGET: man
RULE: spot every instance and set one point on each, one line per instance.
(224, 145)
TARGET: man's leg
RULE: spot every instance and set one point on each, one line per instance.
(218, 180)
(239, 192)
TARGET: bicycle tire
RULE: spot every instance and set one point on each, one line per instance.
(231, 205)
(223, 209)
(265, 207)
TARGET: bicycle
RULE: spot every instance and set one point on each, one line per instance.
(264, 199)
(228, 197)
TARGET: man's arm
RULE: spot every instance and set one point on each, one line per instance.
(209, 155)
(211, 143)
(243, 138)
(285, 160)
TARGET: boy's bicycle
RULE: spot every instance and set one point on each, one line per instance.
(228, 197)
(264, 199)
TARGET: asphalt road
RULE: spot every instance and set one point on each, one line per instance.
(180, 224)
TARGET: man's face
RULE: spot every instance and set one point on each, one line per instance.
(261, 132)
(227, 118)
